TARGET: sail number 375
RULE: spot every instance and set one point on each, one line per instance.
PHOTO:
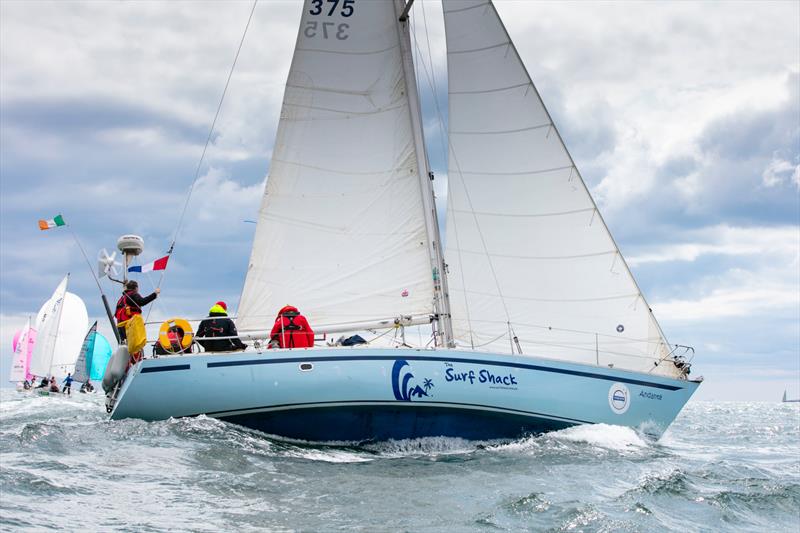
(329, 8)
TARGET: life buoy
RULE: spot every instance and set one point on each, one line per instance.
(163, 333)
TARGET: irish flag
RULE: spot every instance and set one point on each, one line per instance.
(52, 223)
(158, 264)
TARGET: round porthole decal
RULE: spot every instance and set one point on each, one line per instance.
(619, 398)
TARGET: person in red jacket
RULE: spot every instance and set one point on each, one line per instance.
(131, 303)
(291, 330)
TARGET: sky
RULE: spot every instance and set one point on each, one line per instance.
(683, 117)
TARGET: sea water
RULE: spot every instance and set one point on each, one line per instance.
(720, 467)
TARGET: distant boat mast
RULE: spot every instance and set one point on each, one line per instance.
(789, 401)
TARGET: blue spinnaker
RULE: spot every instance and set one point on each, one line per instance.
(100, 355)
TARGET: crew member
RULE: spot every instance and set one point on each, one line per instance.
(219, 325)
(291, 330)
(68, 384)
(131, 303)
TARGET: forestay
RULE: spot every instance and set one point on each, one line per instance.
(528, 252)
(341, 230)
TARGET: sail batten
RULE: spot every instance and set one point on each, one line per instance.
(528, 247)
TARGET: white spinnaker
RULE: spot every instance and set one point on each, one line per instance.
(47, 322)
(527, 249)
(341, 231)
(19, 360)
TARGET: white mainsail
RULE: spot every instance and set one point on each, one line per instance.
(529, 254)
(341, 231)
(71, 332)
(47, 322)
(60, 325)
(19, 360)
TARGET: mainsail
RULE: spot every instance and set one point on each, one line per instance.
(529, 255)
(342, 230)
(60, 325)
(47, 322)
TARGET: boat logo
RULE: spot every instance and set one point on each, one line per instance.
(402, 385)
(619, 398)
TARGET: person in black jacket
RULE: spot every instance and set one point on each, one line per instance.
(218, 325)
(131, 303)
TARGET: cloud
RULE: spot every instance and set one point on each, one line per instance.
(779, 172)
(738, 301)
(780, 243)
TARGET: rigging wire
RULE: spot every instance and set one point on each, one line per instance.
(205, 148)
(440, 116)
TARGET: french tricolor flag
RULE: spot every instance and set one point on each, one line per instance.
(158, 264)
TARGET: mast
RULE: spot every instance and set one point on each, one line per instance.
(444, 329)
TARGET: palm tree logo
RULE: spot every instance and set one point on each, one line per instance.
(427, 384)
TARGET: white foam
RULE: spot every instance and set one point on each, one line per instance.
(423, 446)
(327, 456)
(603, 436)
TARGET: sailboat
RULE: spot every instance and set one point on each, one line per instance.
(537, 321)
(785, 399)
(23, 342)
(93, 358)
(60, 324)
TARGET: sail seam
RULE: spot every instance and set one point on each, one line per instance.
(482, 49)
(498, 89)
(348, 53)
(555, 300)
(325, 228)
(498, 132)
(528, 215)
(520, 173)
(328, 90)
(346, 172)
(340, 111)
(543, 257)
(466, 8)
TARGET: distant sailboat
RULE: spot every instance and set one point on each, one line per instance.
(785, 400)
(93, 358)
(59, 325)
(23, 343)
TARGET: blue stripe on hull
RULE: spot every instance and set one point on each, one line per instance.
(381, 422)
